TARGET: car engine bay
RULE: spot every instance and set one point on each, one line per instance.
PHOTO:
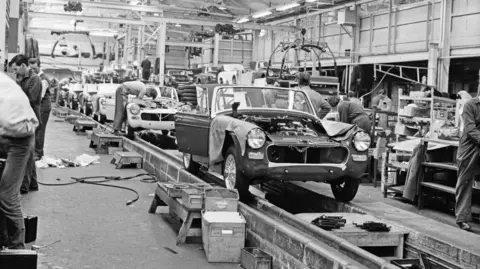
(284, 126)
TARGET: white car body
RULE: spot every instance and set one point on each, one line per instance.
(231, 73)
(104, 101)
(159, 118)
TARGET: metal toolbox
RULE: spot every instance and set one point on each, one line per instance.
(192, 198)
(254, 258)
(175, 190)
(221, 199)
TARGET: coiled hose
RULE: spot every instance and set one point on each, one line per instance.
(86, 180)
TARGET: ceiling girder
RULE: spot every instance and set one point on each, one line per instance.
(154, 20)
(159, 8)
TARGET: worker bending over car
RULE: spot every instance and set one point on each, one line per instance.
(321, 106)
(351, 112)
(136, 88)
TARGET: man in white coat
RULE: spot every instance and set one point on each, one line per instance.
(18, 123)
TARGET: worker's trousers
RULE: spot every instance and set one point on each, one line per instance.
(463, 191)
(45, 109)
(120, 110)
(12, 227)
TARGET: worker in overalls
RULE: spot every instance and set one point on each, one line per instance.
(136, 88)
(351, 113)
(468, 162)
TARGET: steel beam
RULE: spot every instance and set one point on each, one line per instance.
(162, 37)
(175, 43)
(216, 46)
(153, 20)
(119, 6)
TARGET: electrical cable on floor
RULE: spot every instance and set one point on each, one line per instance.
(85, 180)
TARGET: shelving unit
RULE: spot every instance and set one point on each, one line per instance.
(439, 108)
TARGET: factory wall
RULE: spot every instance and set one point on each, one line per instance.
(230, 51)
(387, 35)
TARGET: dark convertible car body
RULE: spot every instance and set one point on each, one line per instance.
(259, 134)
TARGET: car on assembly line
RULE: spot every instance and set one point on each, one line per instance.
(85, 98)
(175, 77)
(104, 102)
(259, 134)
(157, 115)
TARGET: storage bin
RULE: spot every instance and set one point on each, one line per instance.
(254, 258)
(221, 199)
(175, 190)
(223, 235)
(192, 198)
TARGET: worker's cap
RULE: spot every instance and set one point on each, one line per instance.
(303, 76)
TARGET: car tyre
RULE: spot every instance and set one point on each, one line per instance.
(130, 132)
(232, 174)
(189, 164)
(102, 119)
(345, 189)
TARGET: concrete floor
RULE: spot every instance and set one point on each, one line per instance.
(96, 228)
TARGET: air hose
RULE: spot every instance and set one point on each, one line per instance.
(87, 180)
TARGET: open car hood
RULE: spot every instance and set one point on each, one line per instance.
(335, 128)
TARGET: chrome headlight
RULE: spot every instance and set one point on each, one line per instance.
(134, 109)
(256, 138)
(89, 98)
(153, 105)
(361, 141)
(103, 101)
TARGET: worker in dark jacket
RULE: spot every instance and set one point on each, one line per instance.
(351, 112)
(321, 106)
(468, 161)
(136, 88)
(32, 86)
(146, 68)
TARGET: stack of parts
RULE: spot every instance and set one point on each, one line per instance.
(329, 222)
(373, 226)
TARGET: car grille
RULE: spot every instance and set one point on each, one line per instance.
(309, 155)
(157, 117)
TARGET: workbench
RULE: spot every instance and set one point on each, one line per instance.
(361, 238)
(177, 210)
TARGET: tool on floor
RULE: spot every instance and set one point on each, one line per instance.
(35, 247)
(121, 159)
(373, 226)
(329, 222)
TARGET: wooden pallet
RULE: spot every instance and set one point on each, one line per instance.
(121, 159)
(177, 210)
(102, 141)
(395, 238)
(81, 125)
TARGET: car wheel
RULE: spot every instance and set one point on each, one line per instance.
(102, 119)
(232, 174)
(88, 110)
(130, 132)
(189, 164)
(345, 189)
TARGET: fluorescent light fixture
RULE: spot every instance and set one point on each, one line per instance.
(243, 20)
(103, 33)
(222, 7)
(178, 25)
(156, 14)
(288, 6)
(262, 14)
(133, 2)
(311, 1)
